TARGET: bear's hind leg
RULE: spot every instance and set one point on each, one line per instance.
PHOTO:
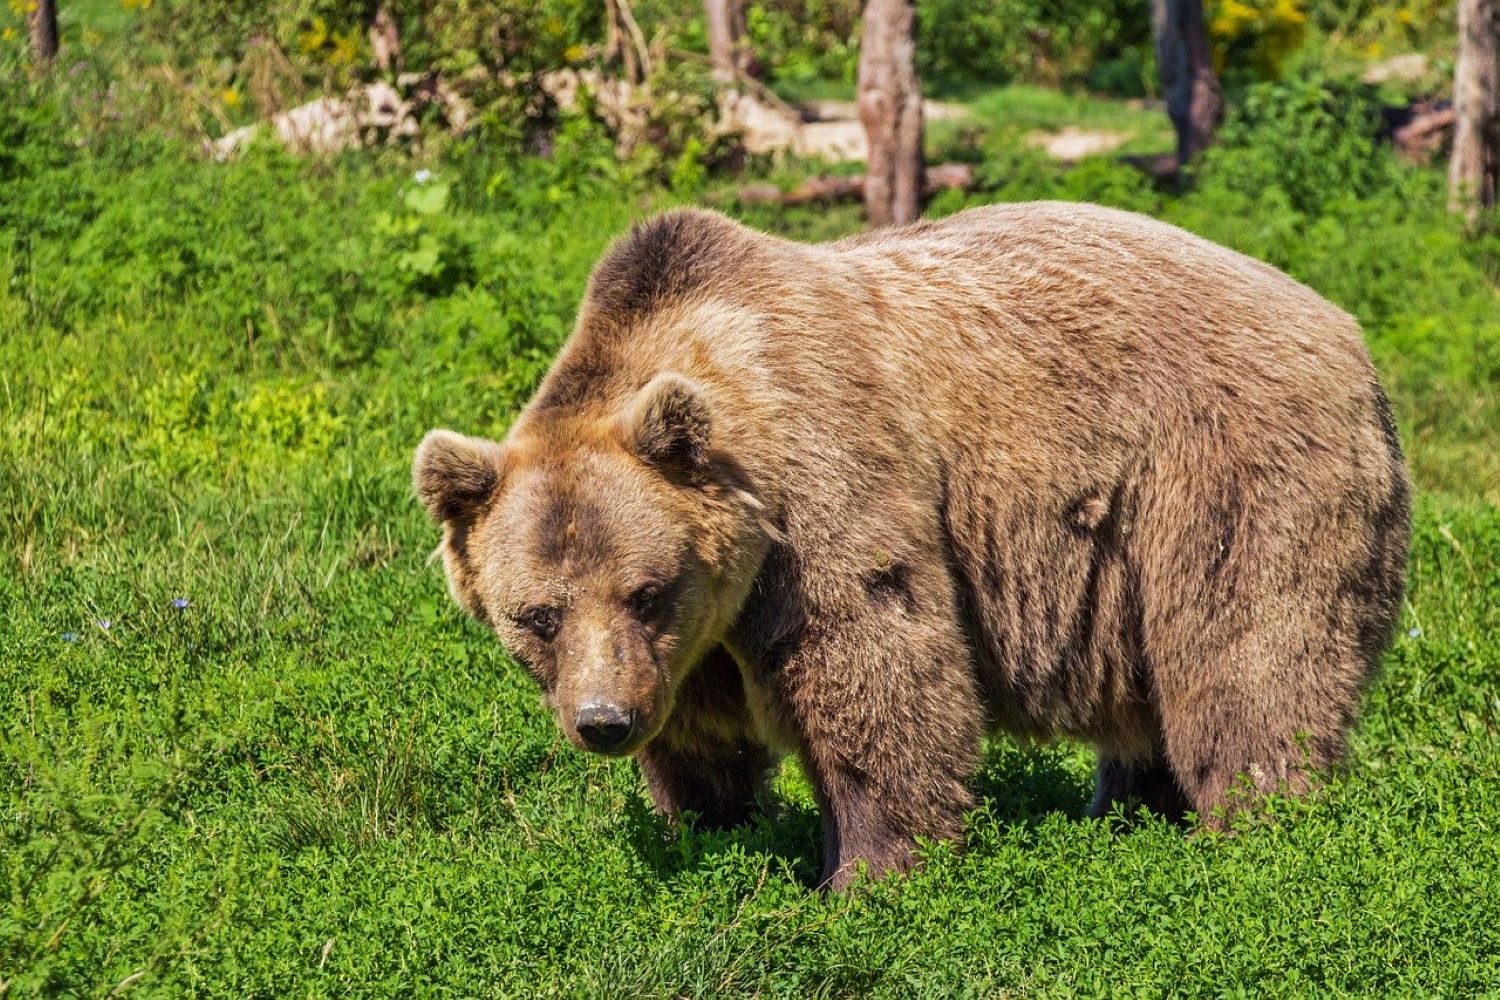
(1232, 748)
(1133, 784)
(1263, 716)
(1266, 602)
(707, 760)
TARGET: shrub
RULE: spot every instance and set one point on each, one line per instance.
(1054, 42)
(1310, 140)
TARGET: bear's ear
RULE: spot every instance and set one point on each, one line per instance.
(453, 474)
(668, 422)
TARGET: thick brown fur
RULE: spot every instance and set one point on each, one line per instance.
(1045, 468)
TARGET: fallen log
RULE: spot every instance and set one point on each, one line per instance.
(943, 177)
(1423, 138)
(1157, 166)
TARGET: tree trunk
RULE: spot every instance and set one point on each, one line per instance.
(42, 22)
(1187, 74)
(1474, 170)
(385, 40)
(890, 107)
(728, 40)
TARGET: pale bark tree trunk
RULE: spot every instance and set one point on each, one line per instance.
(385, 40)
(728, 40)
(890, 107)
(1474, 170)
(1194, 102)
(42, 22)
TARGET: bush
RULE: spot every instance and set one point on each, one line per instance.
(1053, 42)
(1309, 140)
(1068, 42)
(1299, 181)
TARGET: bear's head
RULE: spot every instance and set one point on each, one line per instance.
(609, 549)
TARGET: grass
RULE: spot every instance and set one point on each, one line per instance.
(318, 778)
(1023, 108)
(1016, 110)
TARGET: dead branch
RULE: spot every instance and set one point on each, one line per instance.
(741, 76)
(626, 41)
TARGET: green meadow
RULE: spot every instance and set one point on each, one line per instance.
(249, 747)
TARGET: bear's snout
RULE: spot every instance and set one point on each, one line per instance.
(604, 727)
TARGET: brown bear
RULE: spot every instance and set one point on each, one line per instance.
(1044, 468)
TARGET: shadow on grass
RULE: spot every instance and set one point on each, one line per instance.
(1016, 786)
(788, 833)
(1024, 785)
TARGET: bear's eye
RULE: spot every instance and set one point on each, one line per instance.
(645, 602)
(544, 620)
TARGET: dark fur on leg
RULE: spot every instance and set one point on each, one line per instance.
(706, 761)
(1133, 785)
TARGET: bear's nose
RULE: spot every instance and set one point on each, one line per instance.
(603, 727)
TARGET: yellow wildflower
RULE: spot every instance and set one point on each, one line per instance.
(1288, 13)
(315, 37)
(1256, 33)
(345, 49)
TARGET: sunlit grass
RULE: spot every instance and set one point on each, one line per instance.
(315, 776)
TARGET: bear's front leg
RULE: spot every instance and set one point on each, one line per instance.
(889, 729)
(706, 760)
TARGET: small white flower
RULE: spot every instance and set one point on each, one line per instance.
(422, 176)
(1414, 633)
(104, 623)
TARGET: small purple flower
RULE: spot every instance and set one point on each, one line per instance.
(1414, 633)
(104, 623)
(179, 603)
(70, 637)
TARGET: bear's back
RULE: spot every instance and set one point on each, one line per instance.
(1071, 321)
(1069, 274)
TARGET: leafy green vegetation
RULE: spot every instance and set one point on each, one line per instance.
(249, 746)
